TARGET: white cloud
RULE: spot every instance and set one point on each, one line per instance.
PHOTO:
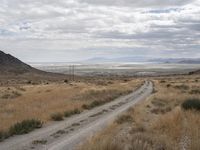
(87, 28)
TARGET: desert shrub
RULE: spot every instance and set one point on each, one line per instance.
(124, 118)
(57, 117)
(195, 91)
(160, 110)
(96, 103)
(29, 82)
(102, 97)
(39, 142)
(5, 96)
(85, 106)
(93, 104)
(3, 135)
(22, 89)
(168, 85)
(191, 104)
(158, 102)
(162, 81)
(182, 87)
(66, 81)
(14, 94)
(24, 127)
(70, 113)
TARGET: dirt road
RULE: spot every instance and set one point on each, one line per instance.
(69, 133)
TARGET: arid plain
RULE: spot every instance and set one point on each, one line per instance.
(31, 101)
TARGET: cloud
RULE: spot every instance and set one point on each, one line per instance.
(88, 28)
(138, 3)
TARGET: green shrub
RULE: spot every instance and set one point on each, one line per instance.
(14, 94)
(103, 97)
(3, 135)
(96, 103)
(191, 104)
(39, 142)
(124, 118)
(85, 106)
(70, 113)
(66, 81)
(57, 116)
(162, 81)
(168, 85)
(93, 104)
(195, 91)
(182, 87)
(24, 127)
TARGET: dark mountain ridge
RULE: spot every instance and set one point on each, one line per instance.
(14, 71)
(11, 65)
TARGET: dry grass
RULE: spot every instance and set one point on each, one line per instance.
(40, 101)
(181, 127)
(103, 141)
(158, 122)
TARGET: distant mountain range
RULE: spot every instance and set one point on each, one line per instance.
(177, 60)
(144, 60)
(114, 60)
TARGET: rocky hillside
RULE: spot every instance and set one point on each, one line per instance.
(11, 65)
(14, 71)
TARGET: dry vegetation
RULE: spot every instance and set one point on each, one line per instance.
(47, 101)
(158, 123)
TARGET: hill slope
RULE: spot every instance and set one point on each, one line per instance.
(11, 65)
(13, 71)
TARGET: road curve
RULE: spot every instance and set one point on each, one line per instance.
(67, 134)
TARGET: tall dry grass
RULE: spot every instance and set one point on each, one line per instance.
(41, 101)
(158, 122)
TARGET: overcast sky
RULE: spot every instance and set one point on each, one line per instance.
(71, 30)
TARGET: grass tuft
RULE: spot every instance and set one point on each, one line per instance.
(24, 127)
(57, 117)
(195, 91)
(124, 118)
(73, 112)
(4, 135)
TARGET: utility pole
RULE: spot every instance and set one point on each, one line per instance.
(73, 69)
(72, 72)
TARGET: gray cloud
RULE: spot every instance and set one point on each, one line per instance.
(88, 28)
(138, 3)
